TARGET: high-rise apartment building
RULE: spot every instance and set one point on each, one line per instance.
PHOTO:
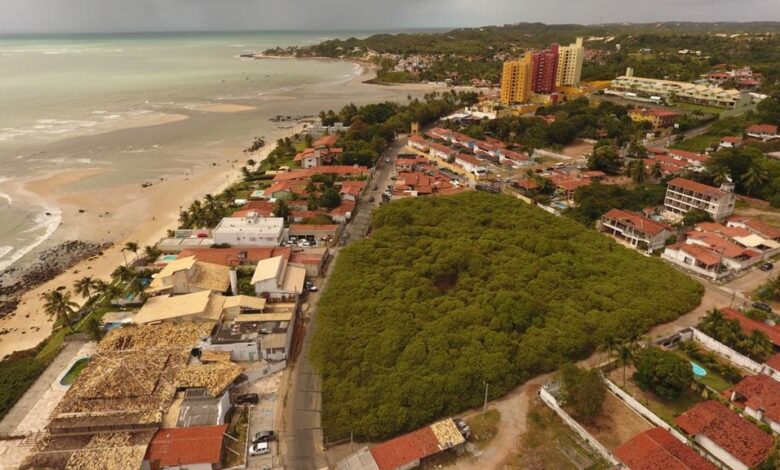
(516, 80)
(570, 64)
(545, 70)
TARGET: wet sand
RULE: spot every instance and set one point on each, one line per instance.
(99, 203)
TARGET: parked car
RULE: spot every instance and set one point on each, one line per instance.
(259, 448)
(247, 399)
(767, 266)
(762, 306)
(264, 436)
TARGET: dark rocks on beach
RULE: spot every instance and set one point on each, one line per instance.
(50, 263)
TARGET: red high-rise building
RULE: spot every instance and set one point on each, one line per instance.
(545, 70)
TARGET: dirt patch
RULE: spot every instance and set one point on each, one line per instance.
(617, 423)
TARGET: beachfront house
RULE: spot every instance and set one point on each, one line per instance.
(250, 230)
(274, 278)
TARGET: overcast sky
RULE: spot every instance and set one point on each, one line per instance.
(188, 15)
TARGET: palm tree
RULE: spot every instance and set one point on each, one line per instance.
(131, 246)
(625, 356)
(151, 253)
(122, 273)
(754, 178)
(721, 174)
(99, 286)
(59, 305)
(83, 286)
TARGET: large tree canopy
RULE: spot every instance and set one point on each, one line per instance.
(452, 292)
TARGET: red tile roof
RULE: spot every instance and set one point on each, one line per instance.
(186, 446)
(762, 129)
(760, 392)
(704, 255)
(297, 229)
(737, 436)
(442, 148)
(731, 139)
(346, 206)
(695, 187)
(326, 141)
(262, 208)
(757, 226)
(749, 325)
(300, 257)
(419, 140)
(774, 362)
(690, 156)
(468, 159)
(637, 221)
(725, 230)
(721, 245)
(405, 449)
(341, 170)
(657, 449)
(231, 256)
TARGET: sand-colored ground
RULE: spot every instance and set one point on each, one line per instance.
(134, 214)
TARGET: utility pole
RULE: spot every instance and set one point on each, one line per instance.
(484, 409)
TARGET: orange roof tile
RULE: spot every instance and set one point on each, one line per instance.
(186, 446)
(405, 449)
(657, 449)
(749, 325)
(760, 392)
(737, 436)
(637, 221)
(695, 187)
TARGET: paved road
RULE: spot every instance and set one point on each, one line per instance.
(302, 436)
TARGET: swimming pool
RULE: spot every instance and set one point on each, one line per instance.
(168, 258)
(74, 371)
(698, 370)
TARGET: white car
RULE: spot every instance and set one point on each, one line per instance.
(259, 449)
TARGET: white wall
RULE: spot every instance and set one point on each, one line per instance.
(720, 453)
(733, 356)
(241, 352)
(550, 401)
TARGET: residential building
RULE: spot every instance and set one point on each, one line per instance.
(636, 230)
(658, 118)
(350, 190)
(545, 70)
(570, 60)
(234, 256)
(763, 131)
(187, 275)
(755, 226)
(731, 439)
(178, 448)
(317, 156)
(690, 160)
(418, 143)
(251, 230)
(275, 279)
(516, 80)
(470, 164)
(252, 336)
(749, 325)
(683, 195)
(697, 259)
(730, 142)
(200, 306)
(760, 397)
(315, 233)
(344, 171)
(658, 449)
(630, 86)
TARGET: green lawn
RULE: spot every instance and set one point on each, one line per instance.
(699, 143)
(668, 410)
(704, 109)
(712, 380)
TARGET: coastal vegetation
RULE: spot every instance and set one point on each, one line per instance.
(452, 292)
(464, 55)
(756, 345)
(663, 372)
(596, 199)
(583, 391)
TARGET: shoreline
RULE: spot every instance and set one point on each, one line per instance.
(27, 325)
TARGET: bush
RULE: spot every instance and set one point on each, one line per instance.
(17, 373)
(583, 390)
(451, 292)
(663, 372)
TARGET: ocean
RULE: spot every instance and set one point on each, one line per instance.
(136, 106)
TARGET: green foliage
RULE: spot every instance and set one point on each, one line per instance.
(607, 159)
(709, 360)
(330, 198)
(695, 216)
(769, 290)
(281, 209)
(17, 373)
(583, 390)
(596, 199)
(755, 345)
(663, 372)
(451, 292)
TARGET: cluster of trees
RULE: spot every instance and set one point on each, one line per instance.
(209, 212)
(583, 391)
(596, 199)
(573, 119)
(755, 345)
(663, 372)
(452, 292)
(466, 53)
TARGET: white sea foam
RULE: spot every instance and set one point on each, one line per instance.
(47, 223)
(5, 249)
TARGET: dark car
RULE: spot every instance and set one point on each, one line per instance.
(762, 306)
(247, 399)
(767, 266)
(264, 436)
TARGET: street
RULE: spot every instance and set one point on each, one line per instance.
(301, 436)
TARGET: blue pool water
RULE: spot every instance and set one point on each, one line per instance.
(169, 258)
(698, 370)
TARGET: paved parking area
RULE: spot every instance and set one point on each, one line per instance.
(263, 418)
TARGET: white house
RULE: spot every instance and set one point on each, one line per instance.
(760, 395)
(274, 278)
(250, 230)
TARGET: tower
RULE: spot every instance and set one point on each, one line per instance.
(516, 80)
(570, 64)
(545, 70)
(415, 129)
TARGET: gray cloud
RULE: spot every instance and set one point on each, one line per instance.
(165, 15)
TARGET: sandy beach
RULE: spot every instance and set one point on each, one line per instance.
(104, 202)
